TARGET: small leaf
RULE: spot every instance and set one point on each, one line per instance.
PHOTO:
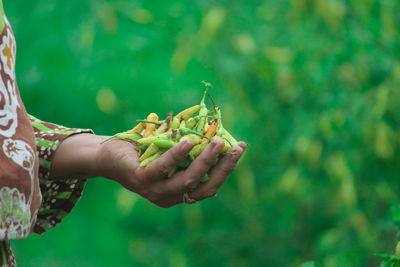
(382, 255)
(395, 214)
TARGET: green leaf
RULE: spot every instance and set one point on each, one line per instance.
(382, 255)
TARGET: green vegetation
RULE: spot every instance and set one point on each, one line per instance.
(311, 85)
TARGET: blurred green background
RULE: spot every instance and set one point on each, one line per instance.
(311, 85)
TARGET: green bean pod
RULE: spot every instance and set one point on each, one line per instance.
(228, 137)
(147, 161)
(204, 179)
(149, 140)
(202, 121)
(125, 136)
(150, 151)
(137, 129)
(171, 173)
(175, 123)
(185, 131)
(151, 122)
(206, 125)
(163, 128)
(192, 137)
(164, 143)
(165, 124)
(220, 128)
(191, 123)
(182, 125)
(129, 137)
(203, 115)
(175, 135)
(143, 147)
(197, 149)
(227, 145)
(187, 113)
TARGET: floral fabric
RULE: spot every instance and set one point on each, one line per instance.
(19, 183)
(29, 199)
(61, 195)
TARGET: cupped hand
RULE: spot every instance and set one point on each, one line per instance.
(119, 161)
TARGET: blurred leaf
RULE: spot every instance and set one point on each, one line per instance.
(395, 214)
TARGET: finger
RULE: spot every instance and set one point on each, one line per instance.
(243, 145)
(218, 174)
(189, 179)
(165, 202)
(182, 197)
(179, 197)
(166, 163)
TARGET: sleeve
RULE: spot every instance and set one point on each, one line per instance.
(61, 195)
(7, 256)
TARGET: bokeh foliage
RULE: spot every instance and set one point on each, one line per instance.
(311, 85)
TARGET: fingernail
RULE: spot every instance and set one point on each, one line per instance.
(217, 146)
(187, 145)
(235, 157)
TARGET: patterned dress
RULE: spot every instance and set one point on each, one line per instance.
(29, 199)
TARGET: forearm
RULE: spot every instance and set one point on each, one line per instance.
(78, 157)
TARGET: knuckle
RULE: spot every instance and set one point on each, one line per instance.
(190, 184)
(208, 161)
(163, 168)
(177, 155)
(237, 149)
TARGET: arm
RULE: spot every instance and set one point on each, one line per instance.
(83, 156)
(58, 196)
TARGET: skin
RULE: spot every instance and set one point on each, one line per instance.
(82, 156)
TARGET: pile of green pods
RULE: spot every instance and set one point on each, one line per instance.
(197, 123)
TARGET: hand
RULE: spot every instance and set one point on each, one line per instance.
(82, 156)
(121, 164)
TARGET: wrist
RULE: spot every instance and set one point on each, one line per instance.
(110, 160)
(77, 157)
